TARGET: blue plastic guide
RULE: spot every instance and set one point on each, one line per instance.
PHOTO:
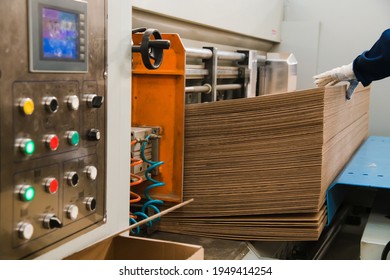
(369, 167)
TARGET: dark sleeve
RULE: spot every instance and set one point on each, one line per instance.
(374, 64)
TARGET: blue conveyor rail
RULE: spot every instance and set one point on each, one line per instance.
(369, 167)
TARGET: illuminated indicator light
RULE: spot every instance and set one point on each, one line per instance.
(27, 106)
(51, 185)
(27, 193)
(27, 146)
(53, 142)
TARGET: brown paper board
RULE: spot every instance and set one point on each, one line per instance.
(263, 160)
(137, 248)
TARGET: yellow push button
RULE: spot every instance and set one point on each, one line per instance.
(27, 106)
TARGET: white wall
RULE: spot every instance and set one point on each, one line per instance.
(346, 29)
(257, 18)
(293, 34)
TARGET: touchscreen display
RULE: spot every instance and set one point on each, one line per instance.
(59, 35)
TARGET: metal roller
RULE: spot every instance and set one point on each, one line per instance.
(206, 88)
(199, 53)
(207, 54)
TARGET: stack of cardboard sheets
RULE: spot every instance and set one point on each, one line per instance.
(259, 168)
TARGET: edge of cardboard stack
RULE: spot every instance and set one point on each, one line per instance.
(259, 168)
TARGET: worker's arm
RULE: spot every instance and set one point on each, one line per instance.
(374, 64)
(370, 66)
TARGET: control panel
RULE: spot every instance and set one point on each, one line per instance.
(52, 124)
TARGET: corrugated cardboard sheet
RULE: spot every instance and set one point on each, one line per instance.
(259, 168)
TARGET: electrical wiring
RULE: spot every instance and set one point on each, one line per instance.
(134, 197)
(139, 180)
(133, 221)
(151, 203)
(152, 166)
(135, 162)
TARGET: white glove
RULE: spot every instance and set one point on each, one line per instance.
(334, 76)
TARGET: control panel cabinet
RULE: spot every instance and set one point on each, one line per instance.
(52, 110)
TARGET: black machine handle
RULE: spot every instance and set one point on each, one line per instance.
(151, 50)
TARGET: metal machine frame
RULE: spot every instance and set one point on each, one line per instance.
(36, 105)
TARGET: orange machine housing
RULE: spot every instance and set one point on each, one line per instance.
(158, 99)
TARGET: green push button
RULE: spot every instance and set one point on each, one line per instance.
(26, 193)
(26, 146)
(29, 147)
(73, 138)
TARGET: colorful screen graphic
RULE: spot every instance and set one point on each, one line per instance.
(59, 35)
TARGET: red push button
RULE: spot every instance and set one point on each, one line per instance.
(52, 142)
(51, 185)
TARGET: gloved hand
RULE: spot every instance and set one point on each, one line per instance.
(334, 76)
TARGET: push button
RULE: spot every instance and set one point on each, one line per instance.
(72, 178)
(25, 192)
(72, 211)
(26, 146)
(51, 104)
(26, 105)
(91, 172)
(73, 102)
(94, 101)
(93, 134)
(51, 185)
(90, 203)
(25, 230)
(51, 141)
(72, 137)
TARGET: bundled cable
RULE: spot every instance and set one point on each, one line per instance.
(134, 197)
(150, 203)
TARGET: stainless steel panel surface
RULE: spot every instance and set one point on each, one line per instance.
(60, 106)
